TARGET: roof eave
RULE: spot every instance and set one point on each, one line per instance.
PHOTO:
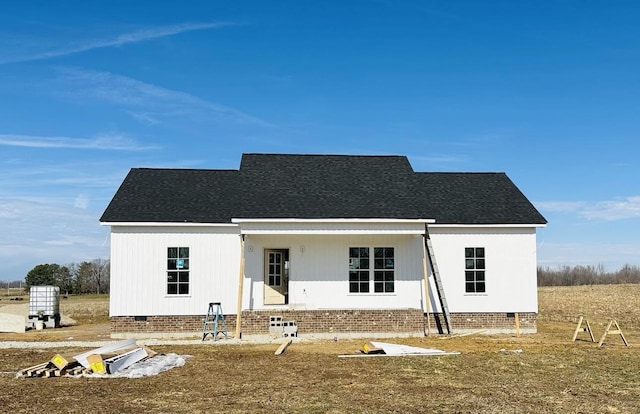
(163, 224)
(536, 225)
(330, 220)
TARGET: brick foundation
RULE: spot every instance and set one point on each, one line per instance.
(493, 322)
(397, 321)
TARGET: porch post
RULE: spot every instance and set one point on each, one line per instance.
(426, 286)
(240, 287)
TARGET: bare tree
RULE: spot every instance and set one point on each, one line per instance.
(587, 275)
(100, 275)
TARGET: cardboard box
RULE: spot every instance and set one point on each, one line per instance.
(96, 364)
(61, 362)
(369, 348)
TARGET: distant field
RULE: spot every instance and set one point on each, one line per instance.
(86, 309)
(598, 303)
(6, 294)
(551, 374)
(82, 309)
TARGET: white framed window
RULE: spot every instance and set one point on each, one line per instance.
(359, 270)
(475, 268)
(177, 271)
(362, 274)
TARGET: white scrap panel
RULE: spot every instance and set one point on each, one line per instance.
(123, 361)
(112, 347)
(12, 323)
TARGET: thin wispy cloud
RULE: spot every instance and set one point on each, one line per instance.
(144, 118)
(81, 202)
(119, 40)
(48, 232)
(624, 208)
(64, 177)
(619, 209)
(611, 255)
(101, 142)
(63, 181)
(561, 206)
(146, 102)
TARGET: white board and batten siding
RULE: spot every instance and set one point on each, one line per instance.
(510, 258)
(139, 269)
(319, 266)
(319, 271)
(319, 261)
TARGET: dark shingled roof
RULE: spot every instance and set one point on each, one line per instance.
(474, 198)
(325, 186)
(319, 186)
(174, 195)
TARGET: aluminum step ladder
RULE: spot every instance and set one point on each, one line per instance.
(436, 277)
(214, 322)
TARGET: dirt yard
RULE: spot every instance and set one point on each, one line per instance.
(542, 373)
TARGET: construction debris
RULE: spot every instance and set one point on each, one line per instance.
(12, 323)
(369, 348)
(119, 359)
(61, 362)
(117, 346)
(509, 352)
(283, 346)
(280, 327)
(379, 349)
(463, 334)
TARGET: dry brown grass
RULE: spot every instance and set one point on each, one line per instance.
(597, 303)
(551, 375)
(86, 309)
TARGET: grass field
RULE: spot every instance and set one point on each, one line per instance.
(550, 375)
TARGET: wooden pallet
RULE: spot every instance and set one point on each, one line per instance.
(117, 356)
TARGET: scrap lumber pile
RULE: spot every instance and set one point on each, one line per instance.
(108, 359)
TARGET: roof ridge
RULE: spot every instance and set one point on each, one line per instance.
(462, 172)
(183, 169)
(322, 155)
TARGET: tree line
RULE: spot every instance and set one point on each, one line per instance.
(587, 275)
(75, 278)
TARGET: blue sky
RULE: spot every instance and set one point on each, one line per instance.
(546, 91)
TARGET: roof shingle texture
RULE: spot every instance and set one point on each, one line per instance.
(319, 187)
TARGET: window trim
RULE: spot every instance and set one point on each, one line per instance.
(475, 270)
(181, 255)
(360, 266)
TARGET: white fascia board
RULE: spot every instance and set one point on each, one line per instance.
(332, 232)
(167, 224)
(332, 220)
(486, 225)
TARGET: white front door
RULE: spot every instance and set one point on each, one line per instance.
(276, 276)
